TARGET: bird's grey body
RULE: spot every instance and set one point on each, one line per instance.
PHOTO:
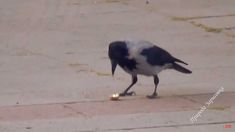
(142, 58)
(142, 67)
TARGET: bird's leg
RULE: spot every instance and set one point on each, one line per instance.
(126, 93)
(154, 95)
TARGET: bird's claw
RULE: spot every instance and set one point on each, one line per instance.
(153, 96)
(127, 93)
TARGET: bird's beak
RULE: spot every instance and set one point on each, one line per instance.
(114, 65)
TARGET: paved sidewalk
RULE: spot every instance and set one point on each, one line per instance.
(133, 114)
(55, 73)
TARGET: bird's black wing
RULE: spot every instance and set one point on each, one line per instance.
(157, 56)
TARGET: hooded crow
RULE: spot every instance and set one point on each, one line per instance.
(142, 58)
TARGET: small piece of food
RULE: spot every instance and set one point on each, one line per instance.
(114, 96)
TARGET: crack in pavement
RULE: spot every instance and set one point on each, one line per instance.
(74, 110)
(206, 27)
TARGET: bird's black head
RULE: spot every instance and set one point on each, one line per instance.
(117, 52)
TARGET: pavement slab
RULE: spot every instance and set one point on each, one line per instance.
(130, 122)
(222, 106)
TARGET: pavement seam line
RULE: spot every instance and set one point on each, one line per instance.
(106, 100)
(168, 126)
(200, 17)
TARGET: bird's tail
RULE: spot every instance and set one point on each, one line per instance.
(180, 68)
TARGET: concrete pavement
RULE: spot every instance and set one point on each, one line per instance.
(55, 74)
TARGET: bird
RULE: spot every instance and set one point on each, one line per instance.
(141, 57)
